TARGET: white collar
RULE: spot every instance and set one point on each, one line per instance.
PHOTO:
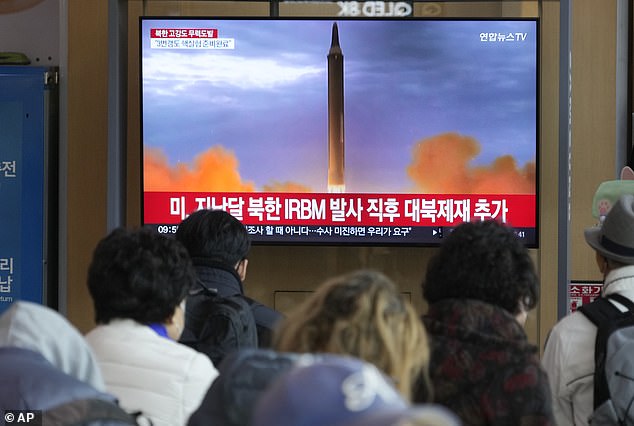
(620, 280)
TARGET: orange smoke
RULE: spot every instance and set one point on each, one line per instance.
(213, 170)
(286, 187)
(441, 164)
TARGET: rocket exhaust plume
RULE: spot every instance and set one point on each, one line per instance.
(336, 135)
(216, 169)
(442, 164)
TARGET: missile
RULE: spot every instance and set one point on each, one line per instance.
(336, 135)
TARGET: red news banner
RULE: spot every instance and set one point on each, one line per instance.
(260, 208)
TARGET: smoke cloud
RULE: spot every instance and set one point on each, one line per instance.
(441, 164)
(213, 170)
(286, 187)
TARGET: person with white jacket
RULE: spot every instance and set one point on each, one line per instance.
(44, 360)
(569, 352)
(139, 280)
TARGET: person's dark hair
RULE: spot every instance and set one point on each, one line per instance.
(214, 235)
(140, 275)
(484, 261)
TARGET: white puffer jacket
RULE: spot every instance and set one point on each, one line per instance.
(569, 356)
(163, 379)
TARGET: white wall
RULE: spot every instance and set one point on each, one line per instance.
(34, 31)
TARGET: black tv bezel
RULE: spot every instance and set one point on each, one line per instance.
(534, 244)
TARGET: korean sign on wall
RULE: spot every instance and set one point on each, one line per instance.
(582, 292)
(23, 171)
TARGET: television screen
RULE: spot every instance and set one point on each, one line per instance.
(341, 131)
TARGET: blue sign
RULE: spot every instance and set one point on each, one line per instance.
(23, 172)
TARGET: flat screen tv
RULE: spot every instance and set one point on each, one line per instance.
(341, 131)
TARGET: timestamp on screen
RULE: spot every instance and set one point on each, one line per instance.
(167, 229)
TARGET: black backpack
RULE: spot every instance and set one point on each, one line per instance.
(614, 369)
(218, 325)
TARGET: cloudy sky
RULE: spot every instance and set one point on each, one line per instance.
(404, 81)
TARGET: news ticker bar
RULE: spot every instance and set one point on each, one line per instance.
(353, 235)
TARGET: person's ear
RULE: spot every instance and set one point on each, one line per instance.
(241, 268)
(176, 323)
(602, 262)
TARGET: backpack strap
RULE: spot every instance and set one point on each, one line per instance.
(201, 288)
(605, 315)
(195, 321)
(622, 300)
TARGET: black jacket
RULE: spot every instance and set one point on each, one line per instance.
(244, 376)
(227, 283)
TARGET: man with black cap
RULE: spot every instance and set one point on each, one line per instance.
(569, 354)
